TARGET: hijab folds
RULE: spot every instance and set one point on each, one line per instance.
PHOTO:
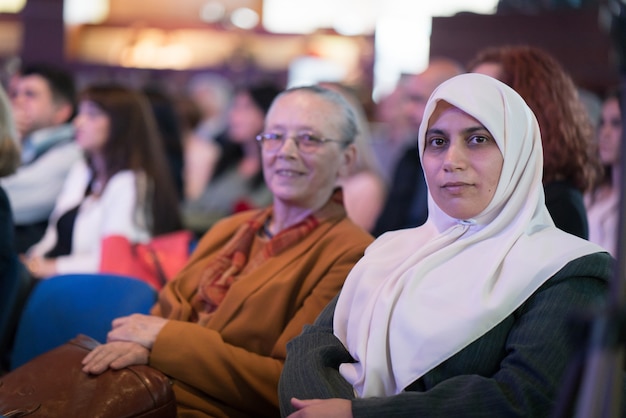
(421, 295)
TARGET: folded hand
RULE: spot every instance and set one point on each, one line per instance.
(321, 408)
(115, 355)
(138, 328)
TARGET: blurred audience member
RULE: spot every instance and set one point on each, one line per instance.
(212, 93)
(237, 181)
(602, 202)
(406, 205)
(9, 162)
(593, 104)
(119, 189)
(364, 189)
(43, 103)
(188, 114)
(211, 96)
(571, 165)
(169, 124)
(392, 129)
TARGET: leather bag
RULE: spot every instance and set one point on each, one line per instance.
(53, 385)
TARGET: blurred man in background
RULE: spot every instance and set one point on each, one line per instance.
(43, 103)
(406, 205)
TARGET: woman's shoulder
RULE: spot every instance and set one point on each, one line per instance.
(125, 178)
(584, 281)
(597, 265)
(78, 175)
(347, 228)
(122, 184)
(125, 175)
(79, 167)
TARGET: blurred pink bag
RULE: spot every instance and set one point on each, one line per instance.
(155, 262)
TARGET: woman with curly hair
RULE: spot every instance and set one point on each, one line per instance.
(571, 165)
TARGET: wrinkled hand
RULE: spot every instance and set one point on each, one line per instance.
(321, 408)
(137, 328)
(116, 355)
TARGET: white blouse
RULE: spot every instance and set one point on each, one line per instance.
(115, 212)
(603, 218)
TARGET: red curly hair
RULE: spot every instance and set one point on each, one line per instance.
(566, 130)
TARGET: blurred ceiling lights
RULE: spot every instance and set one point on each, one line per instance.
(160, 33)
(244, 18)
(346, 17)
(402, 27)
(155, 48)
(11, 6)
(214, 11)
(76, 12)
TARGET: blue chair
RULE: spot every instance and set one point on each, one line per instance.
(63, 306)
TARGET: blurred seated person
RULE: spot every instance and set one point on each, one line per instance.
(171, 132)
(392, 129)
(236, 181)
(212, 94)
(9, 162)
(469, 314)
(220, 329)
(364, 188)
(406, 204)
(603, 200)
(203, 109)
(119, 188)
(43, 101)
(570, 164)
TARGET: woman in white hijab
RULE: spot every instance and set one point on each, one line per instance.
(468, 314)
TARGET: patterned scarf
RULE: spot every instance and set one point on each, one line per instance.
(223, 269)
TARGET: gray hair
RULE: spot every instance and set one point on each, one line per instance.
(348, 127)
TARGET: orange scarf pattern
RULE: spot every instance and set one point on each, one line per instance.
(223, 269)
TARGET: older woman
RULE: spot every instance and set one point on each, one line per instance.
(220, 329)
(466, 315)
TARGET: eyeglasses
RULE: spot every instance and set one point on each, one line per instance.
(307, 143)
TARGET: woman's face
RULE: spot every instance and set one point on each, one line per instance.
(245, 119)
(298, 178)
(610, 132)
(462, 162)
(92, 127)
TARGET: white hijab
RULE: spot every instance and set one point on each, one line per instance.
(421, 295)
